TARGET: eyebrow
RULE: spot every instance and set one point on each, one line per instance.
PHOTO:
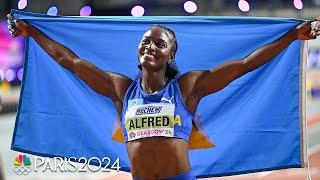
(148, 37)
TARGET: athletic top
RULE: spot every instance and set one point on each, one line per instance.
(160, 114)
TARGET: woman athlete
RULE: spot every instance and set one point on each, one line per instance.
(156, 110)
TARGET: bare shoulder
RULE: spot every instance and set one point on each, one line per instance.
(187, 82)
(189, 77)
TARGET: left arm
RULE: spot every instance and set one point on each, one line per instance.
(196, 84)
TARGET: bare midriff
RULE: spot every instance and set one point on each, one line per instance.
(158, 157)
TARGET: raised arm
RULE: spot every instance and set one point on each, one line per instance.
(105, 83)
(196, 84)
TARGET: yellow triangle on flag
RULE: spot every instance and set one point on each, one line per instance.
(198, 140)
(118, 136)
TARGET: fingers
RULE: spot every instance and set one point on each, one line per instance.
(11, 21)
(315, 33)
(13, 33)
(315, 26)
(9, 16)
(11, 25)
(314, 37)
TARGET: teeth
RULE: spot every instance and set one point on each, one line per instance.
(148, 55)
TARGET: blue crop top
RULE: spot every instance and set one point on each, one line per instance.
(161, 114)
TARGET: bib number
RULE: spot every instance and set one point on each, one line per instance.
(150, 120)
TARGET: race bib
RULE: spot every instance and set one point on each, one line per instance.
(150, 120)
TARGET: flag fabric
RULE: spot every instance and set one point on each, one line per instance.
(256, 123)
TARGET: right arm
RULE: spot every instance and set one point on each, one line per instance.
(109, 84)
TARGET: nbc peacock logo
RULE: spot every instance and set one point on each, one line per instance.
(22, 164)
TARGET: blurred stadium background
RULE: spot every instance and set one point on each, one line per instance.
(11, 66)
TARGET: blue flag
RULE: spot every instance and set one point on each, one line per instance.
(255, 124)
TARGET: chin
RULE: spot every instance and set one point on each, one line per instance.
(150, 66)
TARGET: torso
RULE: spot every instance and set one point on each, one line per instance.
(157, 157)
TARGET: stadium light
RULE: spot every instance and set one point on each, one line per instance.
(137, 11)
(22, 4)
(85, 11)
(9, 75)
(190, 6)
(1, 75)
(20, 74)
(243, 5)
(298, 4)
(52, 11)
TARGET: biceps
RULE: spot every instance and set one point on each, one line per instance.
(217, 78)
(94, 77)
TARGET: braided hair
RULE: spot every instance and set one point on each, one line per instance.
(172, 36)
(170, 71)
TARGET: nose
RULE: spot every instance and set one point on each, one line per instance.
(151, 46)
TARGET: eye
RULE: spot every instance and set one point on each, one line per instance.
(145, 41)
(160, 44)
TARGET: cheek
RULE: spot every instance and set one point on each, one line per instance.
(140, 50)
(165, 53)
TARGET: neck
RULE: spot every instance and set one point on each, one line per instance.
(153, 82)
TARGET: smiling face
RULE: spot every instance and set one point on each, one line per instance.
(155, 49)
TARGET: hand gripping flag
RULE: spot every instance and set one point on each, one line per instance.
(256, 123)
